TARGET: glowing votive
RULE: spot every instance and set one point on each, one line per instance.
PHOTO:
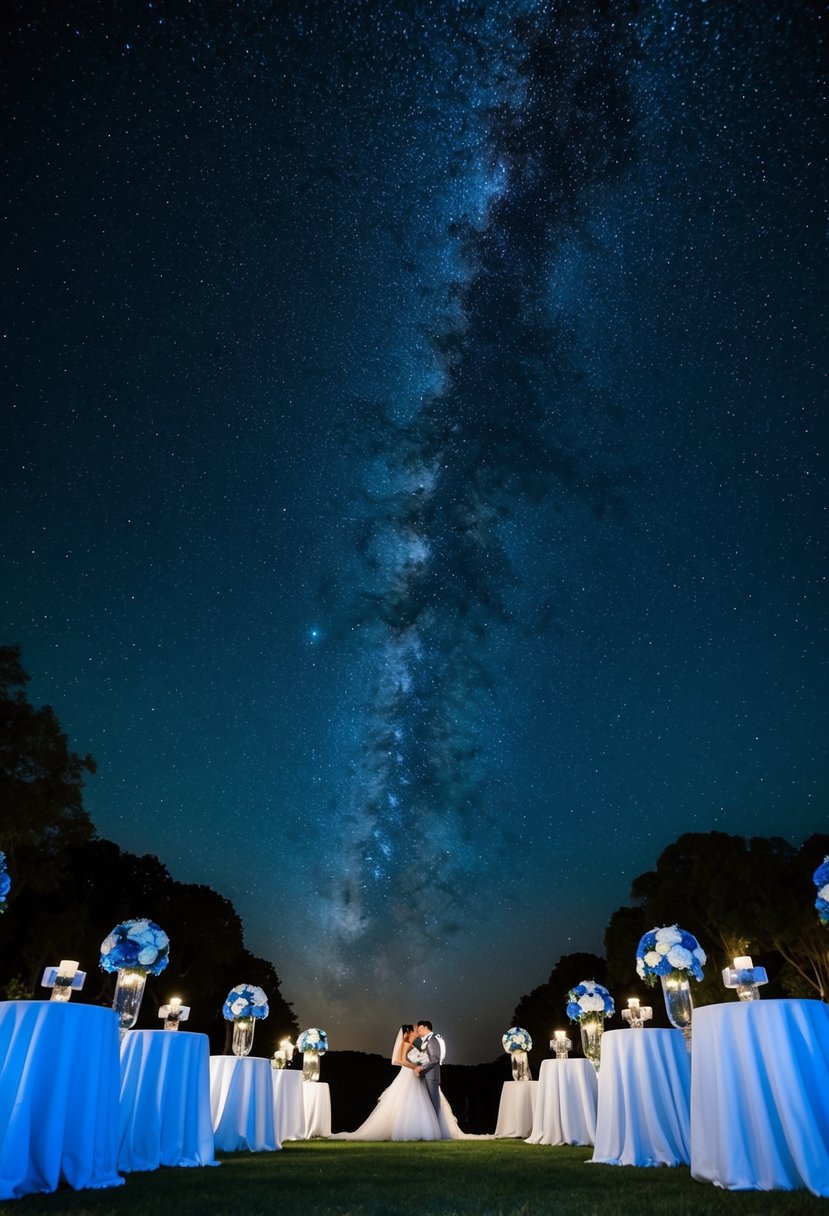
(743, 964)
(68, 969)
(633, 1002)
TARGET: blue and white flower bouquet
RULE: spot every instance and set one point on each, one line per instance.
(5, 882)
(517, 1039)
(136, 945)
(245, 1001)
(589, 1001)
(669, 951)
(821, 881)
(313, 1039)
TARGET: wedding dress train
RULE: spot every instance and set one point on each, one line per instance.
(404, 1111)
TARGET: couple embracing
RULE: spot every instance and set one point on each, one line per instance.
(413, 1107)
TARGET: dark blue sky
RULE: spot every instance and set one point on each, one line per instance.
(415, 491)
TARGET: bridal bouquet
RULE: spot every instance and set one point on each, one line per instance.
(517, 1039)
(669, 951)
(245, 1001)
(589, 1001)
(821, 881)
(136, 945)
(5, 882)
(313, 1040)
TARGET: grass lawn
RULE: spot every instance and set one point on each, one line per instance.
(492, 1178)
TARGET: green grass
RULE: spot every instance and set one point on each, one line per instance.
(487, 1178)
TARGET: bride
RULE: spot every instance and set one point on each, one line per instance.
(404, 1111)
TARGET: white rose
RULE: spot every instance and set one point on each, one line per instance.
(107, 944)
(680, 958)
(238, 1007)
(663, 947)
(669, 934)
(652, 958)
(823, 893)
(147, 956)
(640, 968)
(259, 997)
(138, 927)
(591, 1004)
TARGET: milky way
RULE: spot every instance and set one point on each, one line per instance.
(416, 478)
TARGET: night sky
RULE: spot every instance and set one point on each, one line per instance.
(415, 480)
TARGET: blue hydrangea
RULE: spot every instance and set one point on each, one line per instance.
(136, 945)
(517, 1039)
(5, 882)
(821, 881)
(669, 951)
(313, 1039)
(589, 1000)
(245, 1001)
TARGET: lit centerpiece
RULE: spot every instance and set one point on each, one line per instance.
(636, 1015)
(517, 1042)
(673, 956)
(134, 949)
(174, 1013)
(244, 1006)
(560, 1044)
(589, 1004)
(63, 980)
(745, 977)
(313, 1043)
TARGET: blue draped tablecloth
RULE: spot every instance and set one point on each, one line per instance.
(565, 1109)
(760, 1096)
(59, 1083)
(241, 1104)
(165, 1100)
(644, 1099)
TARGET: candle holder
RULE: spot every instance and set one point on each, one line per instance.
(174, 1013)
(279, 1059)
(745, 978)
(636, 1015)
(63, 980)
(286, 1046)
(560, 1044)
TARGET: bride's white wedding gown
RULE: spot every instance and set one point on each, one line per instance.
(404, 1111)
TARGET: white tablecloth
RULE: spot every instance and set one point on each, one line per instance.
(516, 1111)
(58, 1097)
(241, 1104)
(565, 1109)
(165, 1100)
(288, 1104)
(760, 1096)
(644, 1099)
(317, 1102)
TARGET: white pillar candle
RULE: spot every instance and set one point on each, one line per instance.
(633, 1002)
(561, 1035)
(68, 969)
(743, 964)
(175, 1004)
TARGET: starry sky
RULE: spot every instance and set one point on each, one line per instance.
(414, 487)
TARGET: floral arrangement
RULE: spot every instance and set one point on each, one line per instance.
(589, 1001)
(313, 1040)
(5, 881)
(245, 1001)
(821, 881)
(669, 951)
(136, 945)
(517, 1039)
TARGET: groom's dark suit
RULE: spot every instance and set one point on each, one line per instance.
(430, 1071)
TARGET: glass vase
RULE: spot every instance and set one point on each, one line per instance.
(678, 1004)
(311, 1066)
(129, 989)
(591, 1039)
(520, 1066)
(243, 1029)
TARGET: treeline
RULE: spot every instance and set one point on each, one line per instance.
(736, 896)
(70, 887)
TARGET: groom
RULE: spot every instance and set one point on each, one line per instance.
(430, 1071)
